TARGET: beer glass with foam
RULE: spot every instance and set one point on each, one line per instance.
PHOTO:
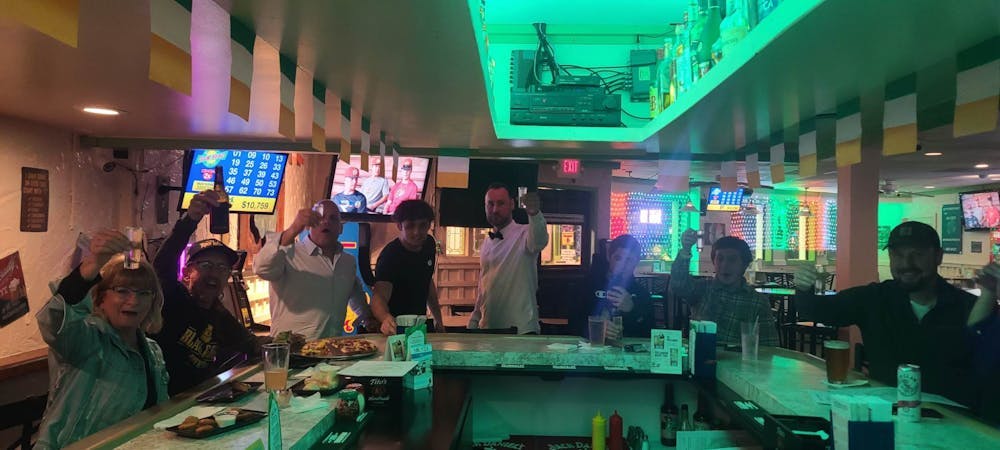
(838, 356)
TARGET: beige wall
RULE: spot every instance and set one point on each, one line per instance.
(82, 198)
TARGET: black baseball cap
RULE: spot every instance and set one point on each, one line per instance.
(211, 245)
(917, 234)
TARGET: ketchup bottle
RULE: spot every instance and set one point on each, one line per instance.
(616, 440)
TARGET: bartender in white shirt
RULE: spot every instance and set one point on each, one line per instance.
(312, 279)
(509, 263)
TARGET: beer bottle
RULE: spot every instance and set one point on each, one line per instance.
(219, 217)
(668, 418)
(701, 418)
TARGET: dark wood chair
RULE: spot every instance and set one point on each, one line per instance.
(26, 414)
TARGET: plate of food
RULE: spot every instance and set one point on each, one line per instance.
(221, 422)
(338, 348)
(229, 392)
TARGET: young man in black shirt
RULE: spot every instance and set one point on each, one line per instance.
(195, 324)
(404, 274)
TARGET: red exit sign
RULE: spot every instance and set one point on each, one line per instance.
(569, 168)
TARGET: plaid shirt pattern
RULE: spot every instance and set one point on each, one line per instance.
(726, 306)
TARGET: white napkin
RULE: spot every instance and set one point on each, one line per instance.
(303, 374)
(562, 347)
(197, 411)
(303, 404)
(586, 347)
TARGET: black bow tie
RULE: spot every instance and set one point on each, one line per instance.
(497, 235)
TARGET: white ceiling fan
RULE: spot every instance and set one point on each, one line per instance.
(888, 188)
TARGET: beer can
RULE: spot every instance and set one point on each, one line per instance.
(908, 392)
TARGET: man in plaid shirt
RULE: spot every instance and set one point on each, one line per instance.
(726, 299)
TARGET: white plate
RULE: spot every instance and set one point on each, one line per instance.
(847, 384)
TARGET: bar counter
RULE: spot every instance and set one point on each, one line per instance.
(488, 385)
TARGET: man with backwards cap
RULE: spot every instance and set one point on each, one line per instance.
(195, 324)
(350, 200)
(915, 318)
(404, 189)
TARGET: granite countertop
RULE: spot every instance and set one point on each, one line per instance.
(489, 351)
(780, 381)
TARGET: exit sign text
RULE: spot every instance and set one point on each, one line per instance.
(569, 168)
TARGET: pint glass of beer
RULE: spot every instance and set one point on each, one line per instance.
(838, 357)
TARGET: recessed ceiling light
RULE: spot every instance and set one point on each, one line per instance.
(928, 187)
(932, 154)
(101, 111)
(982, 166)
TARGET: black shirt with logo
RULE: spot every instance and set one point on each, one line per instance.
(592, 300)
(192, 336)
(410, 274)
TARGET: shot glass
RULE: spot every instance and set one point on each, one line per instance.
(134, 254)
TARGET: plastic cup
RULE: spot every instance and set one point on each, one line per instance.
(597, 328)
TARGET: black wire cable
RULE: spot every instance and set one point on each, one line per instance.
(635, 116)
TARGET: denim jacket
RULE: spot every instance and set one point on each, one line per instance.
(96, 379)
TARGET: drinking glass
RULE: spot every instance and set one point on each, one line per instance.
(749, 338)
(838, 355)
(275, 366)
(134, 254)
(614, 338)
(597, 328)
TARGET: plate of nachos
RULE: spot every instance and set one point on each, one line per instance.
(338, 348)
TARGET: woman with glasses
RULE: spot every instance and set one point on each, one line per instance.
(197, 327)
(106, 369)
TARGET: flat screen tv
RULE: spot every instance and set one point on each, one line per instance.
(719, 200)
(253, 178)
(980, 210)
(363, 195)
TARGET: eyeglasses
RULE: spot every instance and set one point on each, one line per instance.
(142, 294)
(209, 266)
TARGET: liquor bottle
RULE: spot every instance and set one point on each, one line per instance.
(734, 26)
(696, 23)
(654, 87)
(682, 71)
(664, 75)
(710, 34)
(668, 418)
(701, 415)
(219, 217)
(685, 419)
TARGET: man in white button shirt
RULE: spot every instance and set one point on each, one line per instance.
(312, 279)
(509, 264)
